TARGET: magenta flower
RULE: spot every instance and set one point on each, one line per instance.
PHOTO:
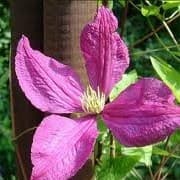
(143, 114)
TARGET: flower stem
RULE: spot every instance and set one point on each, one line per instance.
(98, 152)
(112, 146)
(173, 164)
(170, 33)
(156, 30)
(150, 172)
(137, 174)
(19, 158)
(105, 2)
(152, 50)
(23, 133)
(158, 176)
(164, 160)
(160, 41)
(158, 172)
(124, 17)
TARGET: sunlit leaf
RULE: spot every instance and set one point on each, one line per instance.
(110, 3)
(150, 11)
(116, 168)
(163, 152)
(123, 3)
(126, 80)
(176, 53)
(169, 4)
(175, 137)
(144, 153)
(168, 74)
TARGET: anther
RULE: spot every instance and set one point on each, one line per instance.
(93, 101)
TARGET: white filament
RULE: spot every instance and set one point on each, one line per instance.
(92, 101)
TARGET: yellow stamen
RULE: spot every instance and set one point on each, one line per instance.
(92, 101)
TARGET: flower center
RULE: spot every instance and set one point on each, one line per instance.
(92, 101)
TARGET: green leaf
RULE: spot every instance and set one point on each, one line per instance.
(101, 126)
(150, 11)
(171, 4)
(176, 53)
(175, 137)
(116, 168)
(123, 3)
(126, 80)
(110, 3)
(163, 152)
(168, 74)
(103, 131)
(4, 78)
(144, 153)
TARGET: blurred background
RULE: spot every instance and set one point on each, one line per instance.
(7, 156)
(150, 28)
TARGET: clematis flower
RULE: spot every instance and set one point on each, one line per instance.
(143, 114)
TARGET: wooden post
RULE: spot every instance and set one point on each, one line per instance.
(53, 26)
(63, 22)
(26, 18)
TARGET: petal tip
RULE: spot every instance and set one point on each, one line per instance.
(23, 43)
(108, 16)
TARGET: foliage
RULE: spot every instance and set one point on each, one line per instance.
(116, 168)
(126, 80)
(144, 153)
(168, 74)
(7, 167)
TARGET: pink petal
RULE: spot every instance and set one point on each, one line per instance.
(143, 114)
(106, 55)
(61, 146)
(48, 84)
